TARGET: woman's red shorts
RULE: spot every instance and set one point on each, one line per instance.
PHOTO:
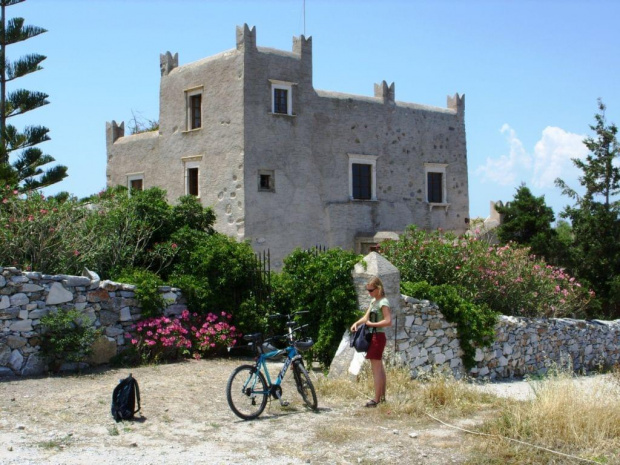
(377, 344)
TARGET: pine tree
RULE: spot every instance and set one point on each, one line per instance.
(595, 217)
(26, 171)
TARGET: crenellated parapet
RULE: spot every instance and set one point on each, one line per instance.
(246, 38)
(385, 92)
(113, 131)
(167, 62)
(303, 48)
(457, 103)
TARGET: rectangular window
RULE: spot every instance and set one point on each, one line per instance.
(192, 181)
(281, 97)
(280, 101)
(435, 187)
(362, 181)
(193, 108)
(135, 182)
(266, 181)
(195, 117)
(362, 177)
(135, 185)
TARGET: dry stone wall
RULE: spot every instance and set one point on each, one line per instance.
(426, 341)
(25, 297)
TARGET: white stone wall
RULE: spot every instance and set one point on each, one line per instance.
(25, 297)
(426, 341)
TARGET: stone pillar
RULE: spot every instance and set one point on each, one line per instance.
(347, 361)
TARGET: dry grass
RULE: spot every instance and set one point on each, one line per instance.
(435, 393)
(579, 419)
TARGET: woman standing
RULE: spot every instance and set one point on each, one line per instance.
(378, 317)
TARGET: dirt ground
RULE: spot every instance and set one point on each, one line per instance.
(185, 419)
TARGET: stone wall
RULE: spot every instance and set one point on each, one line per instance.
(25, 297)
(522, 346)
(423, 340)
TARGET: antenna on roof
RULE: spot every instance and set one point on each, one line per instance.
(304, 18)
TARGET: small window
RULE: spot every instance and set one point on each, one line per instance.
(362, 177)
(135, 182)
(435, 187)
(136, 185)
(193, 104)
(280, 100)
(436, 192)
(281, 97)
(266, 181)
(195, 111)
(192, 181)
(362, 181)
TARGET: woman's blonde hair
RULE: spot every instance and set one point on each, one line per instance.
(376, 282)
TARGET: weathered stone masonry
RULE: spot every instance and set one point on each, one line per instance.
(284, 179)
(25, 297)
(522, 345)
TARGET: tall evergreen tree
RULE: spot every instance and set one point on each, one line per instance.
(527, 220)
(595, 217)
(26, 171)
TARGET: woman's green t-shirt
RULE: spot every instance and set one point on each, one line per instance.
(376, 312)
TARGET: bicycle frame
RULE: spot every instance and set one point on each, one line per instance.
(261, 363)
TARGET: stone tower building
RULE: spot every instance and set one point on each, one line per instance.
(285, 165)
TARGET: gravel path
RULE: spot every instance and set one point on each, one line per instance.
(185, 419)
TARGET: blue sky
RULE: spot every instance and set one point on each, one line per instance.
(531, 71)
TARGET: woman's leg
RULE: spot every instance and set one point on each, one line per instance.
(378, 376)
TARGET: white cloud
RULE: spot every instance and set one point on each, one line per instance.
(553, 154)
(504, 170)
(551, 159)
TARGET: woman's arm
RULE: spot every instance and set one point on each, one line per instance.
(387, 319)
(363, 319)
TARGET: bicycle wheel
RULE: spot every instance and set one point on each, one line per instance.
(246, 392)
(304, 385)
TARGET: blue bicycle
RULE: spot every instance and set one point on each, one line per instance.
(249, 386)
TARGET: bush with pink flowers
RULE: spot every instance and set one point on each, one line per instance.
(188, 335)
(507, 278)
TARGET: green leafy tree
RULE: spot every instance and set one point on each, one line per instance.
(595, 216)
(527, 220)
(27, 170)
(322, 285)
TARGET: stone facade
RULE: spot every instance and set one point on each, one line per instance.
(282, 179)
(26, 297)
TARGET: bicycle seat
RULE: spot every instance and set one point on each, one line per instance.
(268, 347)
(254, 337)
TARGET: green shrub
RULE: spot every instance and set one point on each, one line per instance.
(322, 284)
(475, 323)
(38, 233)
(66, 337)
(506, 278)
(147, 292)
(107, 232)
(218, 274)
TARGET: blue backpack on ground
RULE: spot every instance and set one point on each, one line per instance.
(124, 398)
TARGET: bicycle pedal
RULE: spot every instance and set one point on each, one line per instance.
(284, 403)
